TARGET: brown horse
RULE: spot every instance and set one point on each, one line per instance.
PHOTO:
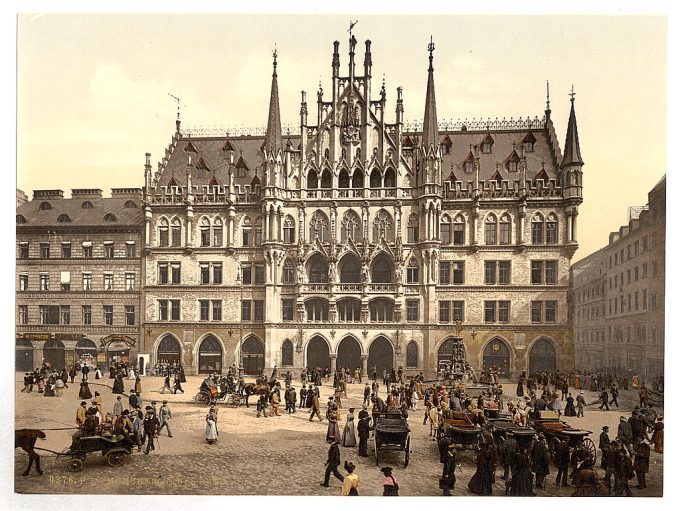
(257, 389)
(26, 438)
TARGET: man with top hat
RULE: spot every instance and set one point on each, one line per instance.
(604, 445)
(151, 424)
(332, 463)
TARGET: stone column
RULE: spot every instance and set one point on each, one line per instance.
(364, 366)
(334, 358)
(266, 224)
(574, 215)
(569, 226)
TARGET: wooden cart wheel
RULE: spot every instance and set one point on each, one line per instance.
(202, 398)
(74, 465)
(408, 451)
(588, 446)
(554, 444)
(115, 459)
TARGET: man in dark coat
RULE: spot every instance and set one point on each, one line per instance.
(448, 480)
(315, 408)
(151, 425)
(604, 397)
(614, 392)
(483, 479)
(610, 456)
(332, 463)
(540, 462)
(85, 370)
(623, 472)
(641, 464)
(291, 396)
(562, 461)
(508, 451)
(364, 431)
(638, 426)
(625, 434)
(604, 446)
(522, 479)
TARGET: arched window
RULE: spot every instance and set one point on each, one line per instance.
(86, 205)
(343, 179)
(412, 355)
(44, 206)
(490, 230)
(349, 310)
(257, 229)
(318, 227)
(326, 179)
(176, 228)
(130, 204)
(163, 233)
(381, 310)
(21, 219)
(537, 225)
(317, 309)
(382, 270)
(375, 179)
(551, 229)
(63, 218)
(357, 179)
(504, 229)
(383, 226)
(318, 269)
(459, 230)
(412, 272)
(217, 236)
(445, 230)
(289, 230)
(205, 232)
(110, 217)
(246, 232)
(288, 276)
(390, 178)
(312, 179)
(412, 228)
(350, 270)
(350, 227)
(287, 353)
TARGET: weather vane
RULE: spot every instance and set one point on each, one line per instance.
(572, 93)
(176, 99)
(351, 26)
(430, 47)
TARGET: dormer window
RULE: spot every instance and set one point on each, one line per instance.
(511, 161)
(512, 166)
(21, 219)
(130, 204)
(469, 166)
(110, 217)
(469, 162)
(63, 218)
(44, 206)
(487, 144)
(446, 144)
(529, 141)
(87, 205)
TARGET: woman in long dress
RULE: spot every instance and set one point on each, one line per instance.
(211, 426)
(138, 384)
(333, 433)
(118, 387)
(131, 374)
(483, 479)
(349, 438)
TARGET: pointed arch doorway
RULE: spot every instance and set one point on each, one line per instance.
(349, 354)
(252, 354)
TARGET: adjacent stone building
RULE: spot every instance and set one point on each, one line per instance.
(78, 287)
(622, 328)
(359, 241)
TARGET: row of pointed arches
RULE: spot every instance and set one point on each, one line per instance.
(354, 178)
(348, 271)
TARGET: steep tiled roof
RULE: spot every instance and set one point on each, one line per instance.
(79, 216)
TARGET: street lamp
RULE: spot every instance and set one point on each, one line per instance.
(239, 282)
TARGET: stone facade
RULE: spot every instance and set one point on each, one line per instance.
(78, 278)
(358, 242)
(622, 329)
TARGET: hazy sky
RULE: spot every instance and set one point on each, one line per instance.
(93, 89)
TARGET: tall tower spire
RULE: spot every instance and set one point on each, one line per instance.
(430, 132)
(273, 139)
(572, 150)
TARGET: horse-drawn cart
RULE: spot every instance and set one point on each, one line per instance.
(210, 393)
(114, 448)
(392, 433)
(504, 426)
(556, 431)
(460, 430)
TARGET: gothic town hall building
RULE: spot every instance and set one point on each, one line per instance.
(359, 242)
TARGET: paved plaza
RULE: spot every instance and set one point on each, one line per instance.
(276, 455)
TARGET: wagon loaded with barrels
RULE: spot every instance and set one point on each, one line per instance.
(392, 433)
(556, 431)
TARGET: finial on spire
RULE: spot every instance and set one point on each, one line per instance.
(547, 94)
(572, 93)
(430, 48)
(275, 54)
(177, 122)
(351, 26)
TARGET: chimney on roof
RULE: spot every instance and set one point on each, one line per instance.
(126, 192)
(336, 59)
(86, 193)
(368, 62)
(48, 194)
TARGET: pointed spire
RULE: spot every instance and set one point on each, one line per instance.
(572, 150)
(273, 138)
(547, 99)
(430, 132)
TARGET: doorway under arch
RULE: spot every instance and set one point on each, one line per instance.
(542, 356)
(318, 353)
(210, 355)
(252, 354)
(86, 351)
(168, 351)
(380, 355)
(349, 354)
(24, 355)
(497, 353)
(54, 353)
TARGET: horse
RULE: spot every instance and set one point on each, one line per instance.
(26, 438)
(257, 389)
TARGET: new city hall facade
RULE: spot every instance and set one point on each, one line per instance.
(356, 242)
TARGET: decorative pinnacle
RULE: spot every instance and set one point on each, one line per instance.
(547, 95)
(572, 93)
(430, 48)
(275, 54)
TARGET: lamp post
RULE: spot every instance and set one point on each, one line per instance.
(239, 282)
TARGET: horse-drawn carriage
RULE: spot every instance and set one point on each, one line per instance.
(556, 431)
(226, 390)
(114, 448)
(505, 426)
(392, 433)
(461, 430)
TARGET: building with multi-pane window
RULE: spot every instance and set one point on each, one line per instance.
(360, 241)
(621, 327)
(78, 290)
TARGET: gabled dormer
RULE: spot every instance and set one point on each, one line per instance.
(487, 144)
(512, 161)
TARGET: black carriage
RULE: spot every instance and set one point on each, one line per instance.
(504, 426)
(115, 448)
(556, 431)
(460, 430)
(391, 432)
(211, 393)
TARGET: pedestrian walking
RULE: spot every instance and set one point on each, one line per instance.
(580, 404)
(348, 435)
(332, 464)
(604, 446)
(138, 428)
(625, 434)
(508, 450)
(540, 462)
(482, 481)
(623, 472)
(350, 483)
(211, 426)
(644, 396)
(641, 464)
(604, 397)
(614, 392)
(522, 479)
(178, 384)
(364, 431)
(562, 458)
(275, 400)
(448, 480)
(117, 409)
(657, 436)
(164, 416)
(315, 408)
(151, 424)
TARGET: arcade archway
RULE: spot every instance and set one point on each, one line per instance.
(349, 354)
(318, 353)
(252, 355)
(86, 351)
(168, 351)
(54, 353)
(497, 353)
(210, 355)
(380, 356)
(24, 355)
(542, 356)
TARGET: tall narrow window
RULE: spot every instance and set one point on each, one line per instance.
(87, 314)
(205, 232)
(490, 230)
(445, 230)
(129, 281)
(108, 314)
(23, 250)
(246, 232)
(44, 250)
(130, 315)
(551, 229)
(412, 273)
(130, 249)
(66, 250)
(504, 230)
(537, 229)
(289, 230)
(459, 230)
(163, 233)
(217, 237)
(108, 250)
(176, 232)
(412, 229)
(288, 276)
(318, 227)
